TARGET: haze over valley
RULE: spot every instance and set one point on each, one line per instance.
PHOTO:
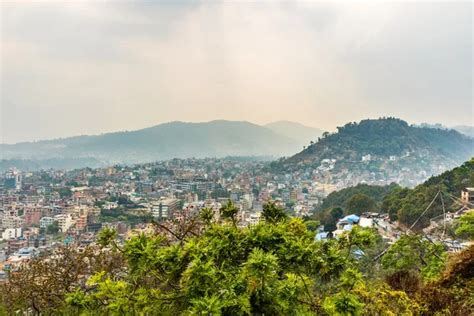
(379, 151)
(236, 158)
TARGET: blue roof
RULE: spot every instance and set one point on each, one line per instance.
(351, 218)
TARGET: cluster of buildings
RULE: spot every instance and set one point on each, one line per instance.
(338, 172)
(40, 209)
(380, 222)
(43, 208)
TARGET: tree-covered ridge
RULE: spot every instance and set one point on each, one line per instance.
(456, 179)
(391, 136)
(353, 200)
(341, 198)
(273, 268)
(406, 205)
(218, 138)
(386, 137)
(402, 204)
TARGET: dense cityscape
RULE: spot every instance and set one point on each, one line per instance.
(236, 158)
(45, 209)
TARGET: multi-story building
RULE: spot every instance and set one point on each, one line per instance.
(11, 233)
(467, 195)
(46, 221)
(254, 218)
(65, 221)
(13, 245)
(81, 222)
(32, 217)
(164, 208)
(9, 221)
(110, 205)
(294, 196)
(13, 179)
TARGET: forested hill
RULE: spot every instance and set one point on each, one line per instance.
(406, 205)
(165, 141)
(381, 151)
(341, 198)
(388, 137)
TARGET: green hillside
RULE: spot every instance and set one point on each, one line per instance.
(380, 151)
(387, 137)
(341, 198)
(406, 205)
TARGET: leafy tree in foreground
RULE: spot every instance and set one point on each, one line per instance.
(207, 215)
(312, 225)
(465, 227)
(272, 268)
(41, 285)
(229, 211)
(272, 213)
(412, 258)
(452, 293)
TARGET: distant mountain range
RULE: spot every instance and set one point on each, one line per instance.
(165, 141)
(421, 147)
(381, 151)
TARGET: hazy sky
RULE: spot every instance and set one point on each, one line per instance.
(91, 67)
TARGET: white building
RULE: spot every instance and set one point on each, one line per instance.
(110, 205)
(254, 218)
(9, 221)
(367, 157)
(65, 221)
(46, 221)
(164, 208)
(11, 233)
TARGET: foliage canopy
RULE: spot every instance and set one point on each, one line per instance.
(273, 268)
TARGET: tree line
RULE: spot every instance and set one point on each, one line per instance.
(204, 264)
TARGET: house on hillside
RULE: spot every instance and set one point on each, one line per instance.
(467, 195)
(345, 224)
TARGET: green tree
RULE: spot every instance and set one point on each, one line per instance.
(53, 228)
(465, 226)
(360, 203)
(312, 225)
(229, 211)
(207, 215)
(272, 213)
(329, 218)
(336, 213)
(64, 192)
(275, 268)
(412, 255)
